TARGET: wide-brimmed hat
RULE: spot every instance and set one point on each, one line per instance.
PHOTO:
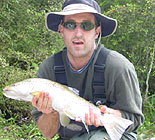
(71, 7)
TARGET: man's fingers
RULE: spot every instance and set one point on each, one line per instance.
(40, 101)
(34, 101)
(97, 122)
(87, 120)
(92, 119)
(91, 114)
(105, 109)
(43, 102)
(49, 102)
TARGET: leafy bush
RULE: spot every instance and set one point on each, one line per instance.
(8, 76)
(27, 130)
(25, 43)
(134, 38)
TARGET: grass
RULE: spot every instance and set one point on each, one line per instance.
(26, 129)
(9, 130)
(146, 131)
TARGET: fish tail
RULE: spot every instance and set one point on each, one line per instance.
(115, 126)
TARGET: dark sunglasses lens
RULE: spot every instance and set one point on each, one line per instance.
(70, 25)
(87, 25)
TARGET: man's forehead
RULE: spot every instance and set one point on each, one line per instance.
(80, 16)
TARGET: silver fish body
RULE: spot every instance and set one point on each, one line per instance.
(67, 103)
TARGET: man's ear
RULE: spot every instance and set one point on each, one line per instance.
(60, 29)
(98, 31)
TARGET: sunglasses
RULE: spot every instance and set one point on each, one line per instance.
(85, 25)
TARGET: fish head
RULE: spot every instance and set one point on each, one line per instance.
(19, 91)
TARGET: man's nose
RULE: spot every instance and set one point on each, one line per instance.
(78, 31)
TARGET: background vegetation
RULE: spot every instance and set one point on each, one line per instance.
(25, 43)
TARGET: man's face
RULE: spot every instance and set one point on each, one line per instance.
(79, 43)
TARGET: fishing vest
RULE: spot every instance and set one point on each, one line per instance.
(98, 86)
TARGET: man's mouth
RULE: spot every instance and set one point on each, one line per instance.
(78, 42)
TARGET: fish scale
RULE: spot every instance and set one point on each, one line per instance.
(67, 103)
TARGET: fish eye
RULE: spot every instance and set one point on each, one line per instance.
(13, 85)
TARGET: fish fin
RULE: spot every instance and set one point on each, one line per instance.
(69, 115)
(86, 126)
(114, 125)
(36, 93)
(64, 119)
(74, 90)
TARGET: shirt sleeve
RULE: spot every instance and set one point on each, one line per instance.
(46, 69)
(123, 90)
(36, 114)
(128, 98)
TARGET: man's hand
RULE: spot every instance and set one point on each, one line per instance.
(105, 109)
(43, 103)
(93, 119)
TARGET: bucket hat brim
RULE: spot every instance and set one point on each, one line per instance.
(53, 19)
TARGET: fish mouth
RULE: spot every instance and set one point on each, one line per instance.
(5, 90)
(10, 94)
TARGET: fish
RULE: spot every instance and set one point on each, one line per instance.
(67, 102)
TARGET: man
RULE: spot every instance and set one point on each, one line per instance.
(81, 23)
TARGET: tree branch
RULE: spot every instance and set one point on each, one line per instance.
(148, 76)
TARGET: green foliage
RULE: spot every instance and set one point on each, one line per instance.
(147, 131)
(27, 129)
(25, 43)
(134, 37)
(22, 29)
(8, 76)
(107, 4)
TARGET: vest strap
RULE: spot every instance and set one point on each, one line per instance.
(98, 84)
(59, 69)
